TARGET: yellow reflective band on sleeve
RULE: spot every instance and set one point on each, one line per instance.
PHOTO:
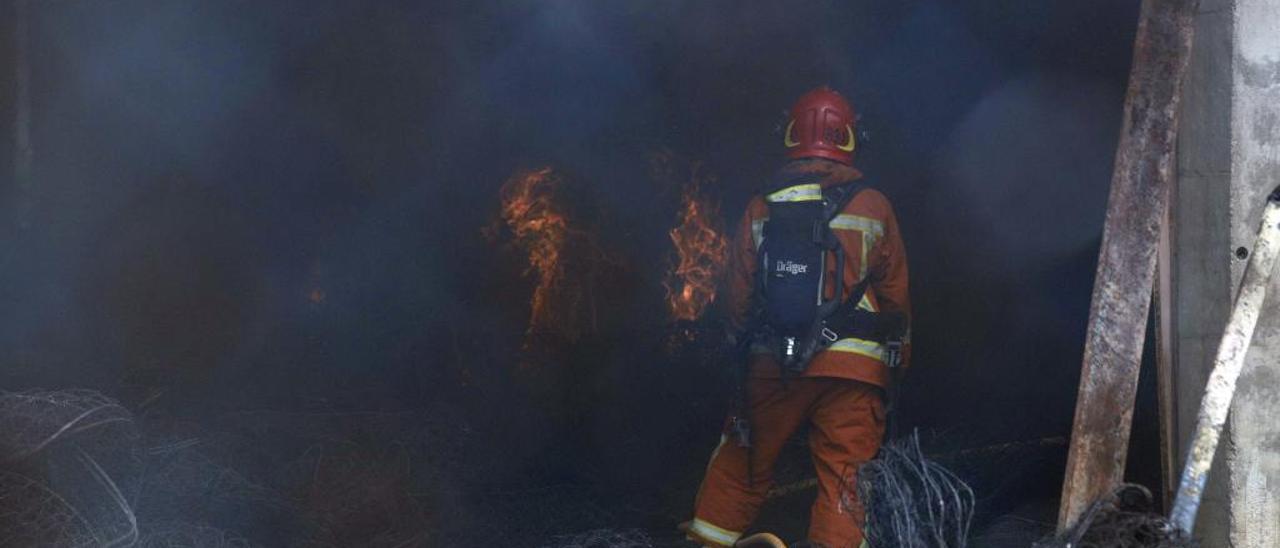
(707, 531)
(870, 349)
(798, 193)
(865, 304)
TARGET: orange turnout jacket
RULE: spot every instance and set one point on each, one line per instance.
(838, 395)
(868, 231)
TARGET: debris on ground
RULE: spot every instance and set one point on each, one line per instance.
(1123, 519)
(913, 502)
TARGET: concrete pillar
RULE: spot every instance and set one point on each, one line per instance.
(1254, 457)
(1228, 160)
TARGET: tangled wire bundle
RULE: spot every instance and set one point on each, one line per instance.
(77, 469)
(73, 473)
(1122, 519)
(56, 448)
(605, 538)
(33, 515)
(173, 535)
(913, 502)
(32, 421)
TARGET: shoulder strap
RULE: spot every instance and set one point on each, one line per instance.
(839, 197)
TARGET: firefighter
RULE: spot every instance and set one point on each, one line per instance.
(825, 363)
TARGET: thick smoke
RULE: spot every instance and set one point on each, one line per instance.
(280, 207)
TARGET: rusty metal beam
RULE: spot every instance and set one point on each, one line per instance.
(1165, 378)
(1126, 265)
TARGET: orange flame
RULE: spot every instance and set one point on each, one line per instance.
(541, 228)
(701, 251)
(534, 209)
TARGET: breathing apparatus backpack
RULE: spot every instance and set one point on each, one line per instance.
(797, 242)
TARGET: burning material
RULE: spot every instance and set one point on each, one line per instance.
(540, 227)
(537, 213)
(701, 249)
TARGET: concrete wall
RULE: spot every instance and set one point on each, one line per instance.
(1202, 288)
(1229, 159)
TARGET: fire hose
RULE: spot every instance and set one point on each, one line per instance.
(1227, 365)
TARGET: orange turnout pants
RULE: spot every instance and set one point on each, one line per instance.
(846, 420)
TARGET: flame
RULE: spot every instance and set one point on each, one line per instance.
(701, 252)
(534, 210)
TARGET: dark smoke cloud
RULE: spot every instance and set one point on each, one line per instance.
(282, 202)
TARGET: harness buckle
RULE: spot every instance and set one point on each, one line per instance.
(742, 429)
(893, 353)
(829, 335)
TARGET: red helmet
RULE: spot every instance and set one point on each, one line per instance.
(821, 126)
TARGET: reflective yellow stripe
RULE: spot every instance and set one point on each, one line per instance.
(798, 193)
(757, 231)
(870, 349)
(865, 303)
(707, 531)
(716, 453)
(845, 221)
(871, 229)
